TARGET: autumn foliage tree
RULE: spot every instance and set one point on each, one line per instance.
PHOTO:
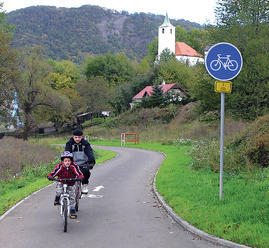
(8, 70)
(33, 92)
(246, 25)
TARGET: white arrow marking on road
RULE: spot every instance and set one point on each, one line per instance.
(98, 188)
(94, 196)
(91, 196)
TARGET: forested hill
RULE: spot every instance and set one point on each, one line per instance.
(72, 33)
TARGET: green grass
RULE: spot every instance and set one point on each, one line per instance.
(241, 216)
(12, 192)
(33, 179)
(103, 155)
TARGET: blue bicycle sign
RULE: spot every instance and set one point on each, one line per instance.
(223, 61)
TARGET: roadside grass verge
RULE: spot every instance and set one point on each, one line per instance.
(242, 216)
(33, 178)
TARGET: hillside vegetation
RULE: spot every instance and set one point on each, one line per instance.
(72, 33)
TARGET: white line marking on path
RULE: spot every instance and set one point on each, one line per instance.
(92, 196)
(98, 188)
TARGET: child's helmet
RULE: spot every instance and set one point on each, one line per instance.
(66, 154)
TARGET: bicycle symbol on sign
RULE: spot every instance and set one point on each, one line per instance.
(227, 63)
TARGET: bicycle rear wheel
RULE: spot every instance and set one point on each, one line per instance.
(77, 204)
(78, 195)
(65, 214)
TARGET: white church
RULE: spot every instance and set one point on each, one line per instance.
(182, 51)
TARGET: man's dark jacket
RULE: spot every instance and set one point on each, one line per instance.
(82, 144)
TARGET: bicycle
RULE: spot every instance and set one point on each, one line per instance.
(65, 199)
(215, 64)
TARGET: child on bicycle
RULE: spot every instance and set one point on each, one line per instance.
(66, 170)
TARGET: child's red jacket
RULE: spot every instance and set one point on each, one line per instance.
(63, 172)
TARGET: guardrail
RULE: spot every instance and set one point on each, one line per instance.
(129, 137)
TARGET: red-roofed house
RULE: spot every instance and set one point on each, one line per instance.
(174, 90)
(182, 51)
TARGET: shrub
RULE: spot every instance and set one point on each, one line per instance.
(247, 151)
(17, 154)
(254, 142)
(210, 116)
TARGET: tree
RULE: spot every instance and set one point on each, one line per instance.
(66, 69)
(115, 69)
(245, 24)
(202, 89)
(196, 38)
(242, 13)
(144, 66)
(8, 70)
(173, 71)
(63, 78)
(157, 98)
(123, 94)
(4, 26)
(33, 92)
(249, 98)
(59, 81)
(95, 94)
(166, 55)
(152, 51)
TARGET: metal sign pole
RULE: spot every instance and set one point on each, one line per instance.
(221, 144)
(223, 62)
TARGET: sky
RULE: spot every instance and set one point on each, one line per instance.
(200, 11)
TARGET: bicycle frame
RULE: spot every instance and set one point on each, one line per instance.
(65, 196)
(226, 63)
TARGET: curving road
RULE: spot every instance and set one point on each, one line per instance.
(119, 212)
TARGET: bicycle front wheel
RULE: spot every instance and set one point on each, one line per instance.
(65, 214)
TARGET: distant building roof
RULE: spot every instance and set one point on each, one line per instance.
(165, 87)
(182, 49)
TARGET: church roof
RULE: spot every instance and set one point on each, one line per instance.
(166, 22)
(182, 49)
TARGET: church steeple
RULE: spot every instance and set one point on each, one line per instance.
(166, 21)
(166, 36)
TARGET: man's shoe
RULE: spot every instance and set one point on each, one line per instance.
(57, 201)
(73, 214)
(84, 189)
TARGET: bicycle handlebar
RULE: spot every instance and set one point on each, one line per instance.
(65, 179)
(87, 165)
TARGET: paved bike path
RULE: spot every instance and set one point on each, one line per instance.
(119, 211)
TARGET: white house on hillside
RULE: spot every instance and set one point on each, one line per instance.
(175, 92)
(182, 51)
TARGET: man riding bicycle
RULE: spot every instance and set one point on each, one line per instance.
(83, 156)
